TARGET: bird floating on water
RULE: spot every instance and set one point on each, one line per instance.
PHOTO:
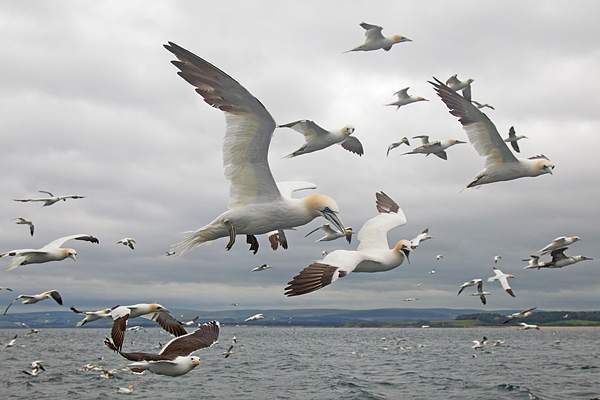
(258, 205)
(332, 234)
(34, 298)
(372, 254)
(23, 221)
(127, 242)
(559, 242)
(500, 164)
(48, 201)
(503, 278)
(318, 138)
(375, 39)
(513, 138)
(404, 98)
(438, 147)
(50, 252)
(396, 144)
(127, 390)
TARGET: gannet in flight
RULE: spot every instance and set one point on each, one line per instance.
(520, 314)
(534, 263)
(254, 317)
(91, 316)
(332, 234)
(472, 282)
(480, 106)
(455, 84)
(559, 259)
(258, 205)
(438, 147)
(375, 40)
(527, 326)
(260, 268)
(404, 98)
(421, 237)
(318, 138)
(48, 201)
(23, 221)
(559, 242)
(513, 138)
(396, 144)
(503, 278)
(34, 298)
(480, 292)
(127, 242)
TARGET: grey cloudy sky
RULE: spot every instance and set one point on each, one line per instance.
(91, 105)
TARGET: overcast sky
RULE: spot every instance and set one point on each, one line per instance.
(90, 105)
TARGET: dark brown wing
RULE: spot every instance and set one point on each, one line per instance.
(135, 356)
(169, 323)
(205, 336)
(117, 333)
(312, 278)
(385, 204)
(56, 296)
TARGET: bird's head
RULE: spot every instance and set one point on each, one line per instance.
(348, 130)
(195, 360)
(325, 206)
(72, 253)
(400, 39)
(455, 141)
(469, 81)
(575, 238)
(419, 98)
(543, 165)
(583, 258)
(404, 247)
(157, 307)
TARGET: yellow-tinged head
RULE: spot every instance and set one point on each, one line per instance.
(321, 205)
(400, 38)
(70, 253)
(156, 307)
(545, 166)
(404, 247)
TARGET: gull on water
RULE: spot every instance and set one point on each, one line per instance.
(258, 205)
(534, 263)
(404, 98)
(91, 316)
(503, 278)
(520, 314)
(438, 147)
(48, 201)
(127, 390)
(480, 292)
(375, 39)
(34, 298)
(396, 144)
(50, 252)
(318, 138)
(558, 243)
(456, 84)
(23, 221)
(513, 138)
(472, 282)
(559, 259)
(421, 237)
(372, 254)
(500, 164)
(480, 106)
(175, 358)
(527, 326)
(332, 234)
(127, 242)
(254, 317)
(260, 268)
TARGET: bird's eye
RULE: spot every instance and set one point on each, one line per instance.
(326, 210)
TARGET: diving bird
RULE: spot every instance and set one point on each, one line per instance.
(534, 263)
(503, 278)
(258, 205)
(50, 252)
(254, 317)
(318, 138)
(175, 358)
(260, 268)
(559, 259)
(558, 243)
(421, 237)
(127, 242)
(91, 316)
(48, 201)
(480, 292)
(153, 311)
(375, 40)
(456, 84)
(520, 314)
(472, 282)
(34, 298)
(228, 352)
(513, 138)
(500, 163)
(404, 98)
(480, 106)
(23, 221)
(527, 326)
(332, 234)
(438, 147)
(404, 140)
(371, 255)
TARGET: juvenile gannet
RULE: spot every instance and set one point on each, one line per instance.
(480, 292)
(175, 358)
(455, 84)
(318, 138)
(127, 242)
(534, 263)
(520, 314)
(228, 352)
(472, 282)
(50, 252)
(559, 242)
(404, 98)
(375, 40)
(513, 138)
(34, 298)
(500, 164)
(23, 221)
(260, 268)
(438, 147)
(396, 144)
(127, 390)
(480, 106)
(258, 205)
(421, 237)
(153, 311)
(527, 326)
(91, 316)
(503, 278)
(372, 254)
(254, 317)
(559, 259)
(48, 201)
(332, 234)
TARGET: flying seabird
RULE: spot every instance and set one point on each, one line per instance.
(472, 282)
(190, 322)
(127, 242)
(558, 243)
(421, 237)
(527, 326)
(559, 259)
(396, 144)
(228, 352)
(534, 263)
(32, 299)
(404, 98)
(254, 317)
(258, 205)
(6, 288)
(480, 292)
(91, 316)
(332, 234)
(500, 164)
(438, 257)
(260, 268)
(431, 272)
(318, 138)
(520, 314)
(372, 254)
(23, 221)
(36, 368)
(375, 40)
(50, 252)
(48, 201)
(513, 138)
(455, 84)
(503, 278)
(438, 147)
(175, 358)
(13, 341)
(411, 299)
(496, 258)
(480, 106)
(169, 253)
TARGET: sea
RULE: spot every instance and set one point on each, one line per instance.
(316, 363)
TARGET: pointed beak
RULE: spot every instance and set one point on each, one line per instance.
(405, 39)
(197, 362)
(406, 250)
(332, 217)
(459, 142)
(72, 256)
(548, 169)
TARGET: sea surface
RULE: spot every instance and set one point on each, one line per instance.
(317, 363)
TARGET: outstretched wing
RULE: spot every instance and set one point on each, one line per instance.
(308, 128)
(205, 336)
(60, 241)
(373, 234)
(353, 145)
(373, 32)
